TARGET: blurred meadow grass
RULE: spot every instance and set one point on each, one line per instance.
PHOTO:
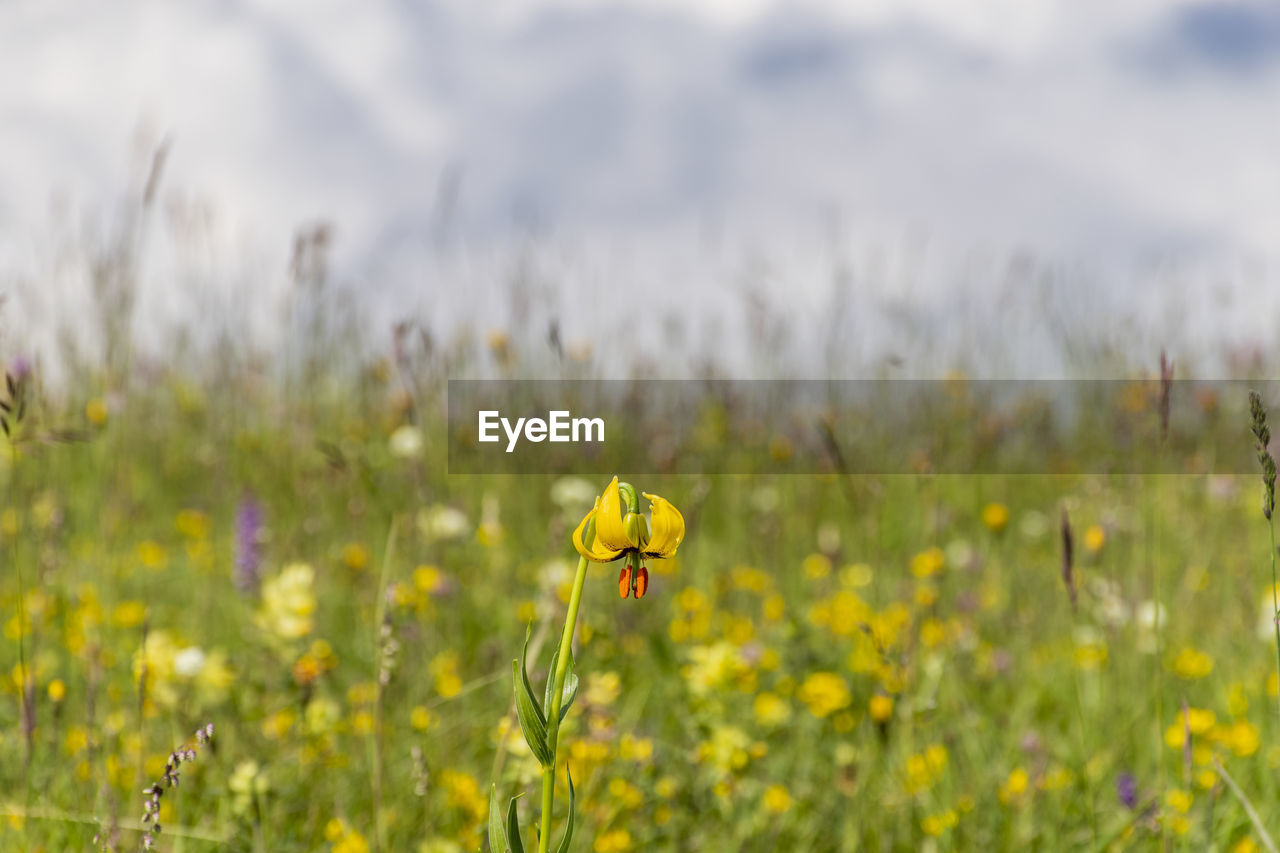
(267, 544)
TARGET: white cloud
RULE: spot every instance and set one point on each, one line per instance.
(994, 123)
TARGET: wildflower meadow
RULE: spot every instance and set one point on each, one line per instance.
(639, 426)
(271, 590)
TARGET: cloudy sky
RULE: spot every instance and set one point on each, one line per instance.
(922, 144)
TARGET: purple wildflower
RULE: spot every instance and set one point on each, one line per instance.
(1127, 790)
(248, 545)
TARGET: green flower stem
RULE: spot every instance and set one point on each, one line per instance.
(1275, 604)
(553, 712)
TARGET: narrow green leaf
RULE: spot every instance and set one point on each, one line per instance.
(551, 679)
(532, 723)
(569, 691)
(568, 830)
(524, 675)
(497, 836)
(513, 828)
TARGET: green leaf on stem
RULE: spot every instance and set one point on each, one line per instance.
(551, 679)
(513, 828)
(568, 830)
(497, 835)
(532, 723)
(524, 675)
(568, 692)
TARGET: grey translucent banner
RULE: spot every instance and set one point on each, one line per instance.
(952, 426)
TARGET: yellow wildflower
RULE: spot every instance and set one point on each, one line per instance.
(856, 575)
(613, 841)
(1014, 787)
(247, 783)
(421, 718)
(192, 523)
(816, 566)
(463, 792)
(625, 793)
(928, 563)
(1191, 664)
(1242, 738)
(632, 748)
(152, 555)
(936, 824)
(95, 411)
(924, 769)
(129, 614)
(606, 534)
(322, 716)
(288, 602)
(711, 667)
(602, 688)
(355, 556)
(727, 750)
(777, 799)
(444, 669)
(996, 517)
(824, 693)
(771, 710)
(1179, 800)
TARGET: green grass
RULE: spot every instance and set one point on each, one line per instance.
(1012, 718)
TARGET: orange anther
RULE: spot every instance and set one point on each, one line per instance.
(642, 582)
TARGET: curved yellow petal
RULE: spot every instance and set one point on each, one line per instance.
(610, 529)
(594, 551)
(582, 526)
(666, 529)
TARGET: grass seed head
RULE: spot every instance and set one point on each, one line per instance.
(1262, 432)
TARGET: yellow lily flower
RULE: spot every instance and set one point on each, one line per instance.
(607, 534)
(666, 531)
(595, 551)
